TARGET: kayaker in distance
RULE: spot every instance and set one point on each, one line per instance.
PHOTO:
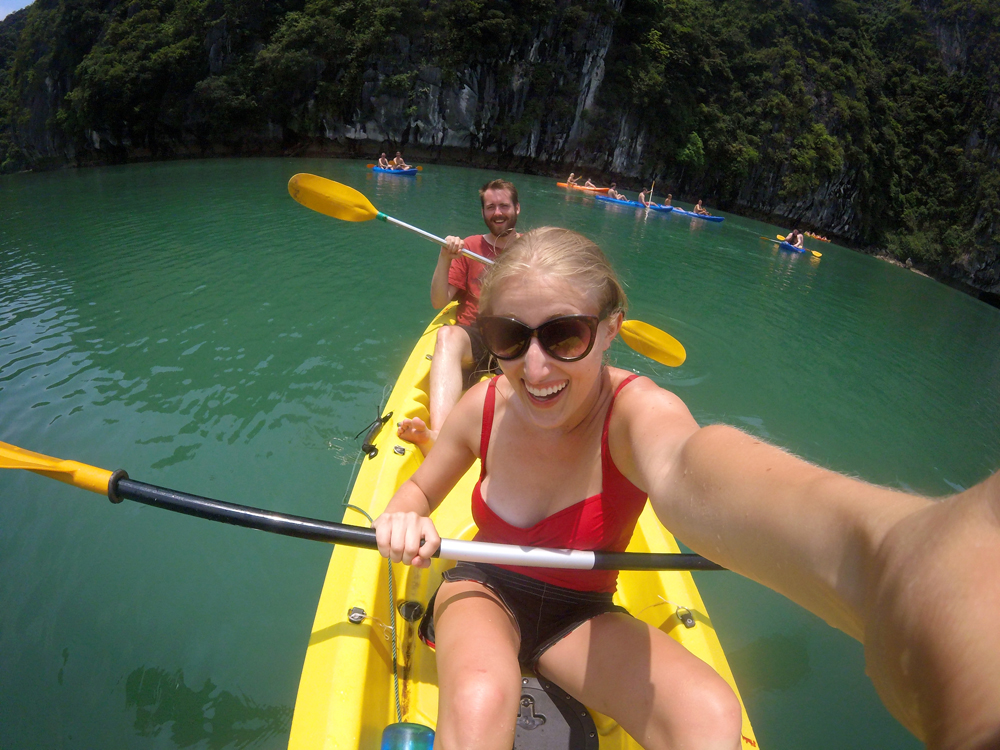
(700, 209)
(613, 193)
(795, 239)
(460, 357)
(398, 162)
(915, 580)
(572, 179)
(383, 162)
(667, 201)
(643, 200)
(589, 184)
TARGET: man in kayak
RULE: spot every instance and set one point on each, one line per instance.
(795, 238)
(915, 580)
(572, 179)
(383, 162)
(613, 193)
(398, 162)
(667, 201)
(644, 201)
(460, 356)
(589, 184)
(700, 209)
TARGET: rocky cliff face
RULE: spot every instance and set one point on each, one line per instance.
(476, 109)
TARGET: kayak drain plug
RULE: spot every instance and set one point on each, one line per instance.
(356, 615)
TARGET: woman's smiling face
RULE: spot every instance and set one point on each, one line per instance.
(555, 393)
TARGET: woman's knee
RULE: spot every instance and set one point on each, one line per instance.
(706, 715)
(450, 338)
(479, 711)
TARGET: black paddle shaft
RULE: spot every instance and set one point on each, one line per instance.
(242, 515)
(120, 487)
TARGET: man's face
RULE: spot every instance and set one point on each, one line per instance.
(499, 211)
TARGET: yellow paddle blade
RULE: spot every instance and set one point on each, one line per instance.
(651, 342)
(781, 237)
(331, 198)
(79, 475)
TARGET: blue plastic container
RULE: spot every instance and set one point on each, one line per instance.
(407, 736)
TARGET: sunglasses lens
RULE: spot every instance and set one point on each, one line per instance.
(505, 338)
(566, 338)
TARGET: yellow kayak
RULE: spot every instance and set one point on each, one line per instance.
(347, 695)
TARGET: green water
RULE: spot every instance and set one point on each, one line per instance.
(192, 324)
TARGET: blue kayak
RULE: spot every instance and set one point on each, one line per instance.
(791, 248)
(698, 216)
(411, 170)
(637, 204)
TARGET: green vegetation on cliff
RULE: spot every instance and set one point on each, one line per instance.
(876, 121)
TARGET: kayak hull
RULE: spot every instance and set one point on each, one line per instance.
(380, 170)
(791, 248)
(608, 199)
(346, 696)
(692, 214)
(581, 187)
(636, 204)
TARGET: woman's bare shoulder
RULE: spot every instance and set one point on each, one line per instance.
(643, 393)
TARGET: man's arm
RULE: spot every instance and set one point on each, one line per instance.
(442, 291)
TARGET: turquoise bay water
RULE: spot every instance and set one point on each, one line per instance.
(192, 324)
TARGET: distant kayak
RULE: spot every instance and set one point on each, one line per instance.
(411, 170)
(606, 199)
(581, 187)
(791, 248)
(637, 204)
(698, 216)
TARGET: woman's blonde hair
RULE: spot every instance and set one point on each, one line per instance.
(561, 253)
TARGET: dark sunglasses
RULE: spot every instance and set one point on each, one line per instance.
(568, 338)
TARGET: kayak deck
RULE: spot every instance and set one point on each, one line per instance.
(346, 695)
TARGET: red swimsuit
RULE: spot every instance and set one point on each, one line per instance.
(601, 522)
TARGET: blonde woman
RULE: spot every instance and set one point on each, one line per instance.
(571, 447)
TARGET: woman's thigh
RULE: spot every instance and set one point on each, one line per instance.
(479, 679)
(657, 690)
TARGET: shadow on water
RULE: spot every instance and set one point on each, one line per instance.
(775, 662)
(162, 701)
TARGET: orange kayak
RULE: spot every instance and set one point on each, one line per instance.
(585, 189)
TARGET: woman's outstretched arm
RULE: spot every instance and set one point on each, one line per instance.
(917, 581)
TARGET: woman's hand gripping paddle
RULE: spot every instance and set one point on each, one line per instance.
(347, 204)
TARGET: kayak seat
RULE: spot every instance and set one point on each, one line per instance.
(548, 718)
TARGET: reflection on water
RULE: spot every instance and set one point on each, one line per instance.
(209, 717)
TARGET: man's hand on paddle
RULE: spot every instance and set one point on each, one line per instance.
(453, 249)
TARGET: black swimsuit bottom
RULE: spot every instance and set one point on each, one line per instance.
(544, 613)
